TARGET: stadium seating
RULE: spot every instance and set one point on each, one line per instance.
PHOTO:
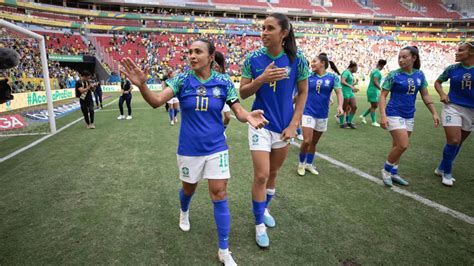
(434, 9)
(394, 8)
(348, 7)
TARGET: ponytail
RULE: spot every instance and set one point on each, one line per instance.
(334, 67)
(323, 57)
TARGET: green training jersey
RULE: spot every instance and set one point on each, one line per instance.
(374, 74)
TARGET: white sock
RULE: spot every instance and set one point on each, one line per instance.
(223, 251)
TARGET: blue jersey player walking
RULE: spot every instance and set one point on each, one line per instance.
(315, 114)
(398, 115)
(202, 150)
(458, 110)
(272, 73)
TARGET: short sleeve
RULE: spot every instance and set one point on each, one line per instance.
(247, 70)
(445, 75)
(388, 83)
(424, 84)
(231, 92)
(303, 68)
(337, 83)
(345, 74)
(176, 83)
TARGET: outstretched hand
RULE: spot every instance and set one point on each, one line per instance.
(256, 119)
(136, 75)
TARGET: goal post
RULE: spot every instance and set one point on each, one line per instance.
(44, 64)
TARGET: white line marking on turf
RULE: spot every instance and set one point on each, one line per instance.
(441, 208)
(38, 141)
(432, 204)
(133, 109)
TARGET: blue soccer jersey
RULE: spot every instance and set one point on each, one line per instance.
(460, 89)
(275, 98)
(201, 102)
(403, 88)
(319, 94)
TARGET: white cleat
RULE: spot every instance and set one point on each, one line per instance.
(129, 117)
(312, 169)
(176, 119)
(226, 258)
(172, 123)
(441, 172)
(362, 118)
(447, 181)
(301, 169)
(120, 117)
(375, 124)
(299, 137)
(184, 221)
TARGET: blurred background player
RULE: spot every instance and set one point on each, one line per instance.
(202, 150)
(373, 93)
(348, 90)
(321, 84)
(126, 96)
(173, 103)
(398, 115)
(272, 73)
(219, 66)
(458, 109)
(84, 90)
(98, 94)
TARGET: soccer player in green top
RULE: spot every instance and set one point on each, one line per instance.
(348, 90)
(373, 93)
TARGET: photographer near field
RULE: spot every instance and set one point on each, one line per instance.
(84, 90)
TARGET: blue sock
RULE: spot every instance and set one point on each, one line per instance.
(298, 131)
(394, 170)
(270, 193)
(176, 111)
(171, 113)
(310, 158)
(303, 157)
(184, 200)
(449, 153)
(258, 210)
(222, 218)
(388, 166)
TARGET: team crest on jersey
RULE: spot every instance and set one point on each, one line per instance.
(216, 92)
(411, 82)
(466, 76)
(201, 90)
(288, 72)
(327, 82)
(418, 80)
(185, 171)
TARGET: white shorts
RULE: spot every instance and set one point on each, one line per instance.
(265, 140)
(318, 124)
(226, 108)
(454, 115)
(193, 169)
(397, 122)
(173, 100)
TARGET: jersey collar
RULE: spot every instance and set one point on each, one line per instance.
(466, 67)
(213, 74)
(273, 57)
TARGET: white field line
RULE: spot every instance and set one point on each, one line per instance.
(38, 141)
(441, 208)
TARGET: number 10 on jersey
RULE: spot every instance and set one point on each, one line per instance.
(202, 103)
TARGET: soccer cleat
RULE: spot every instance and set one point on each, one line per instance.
(226, 258)
(397, 179)
(299, 137)
(362, 118)
(88, 126)
(375, 124)
(447, 180)
(386, 178)
(176, 119)
(184, 221)
(129, 117)
(262, 237)
(343, 126)
(172, 123)
(440, 173)
(301, 169)
(268, 219)
(312, 169)
(92, 126)
(120, 117)
(351, 125)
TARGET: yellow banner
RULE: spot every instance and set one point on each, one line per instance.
(28, 99)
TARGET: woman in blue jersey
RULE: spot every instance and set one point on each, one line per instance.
(272, 73)
(202, 150)
(315, 114)
(458, 110)
(398, 115)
